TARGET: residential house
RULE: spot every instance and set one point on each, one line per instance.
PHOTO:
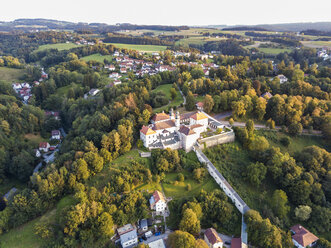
(302, 237)
(44, 146)
(117, 82)
(212, 238)
(114, 75)
(128, 236)
(54, 114)
(282, 78)
(56, 134)
(123, 70)
(157, 244)
(143, 225)
(237, 243)
(158, 202)
(267, 95)
(199, 106)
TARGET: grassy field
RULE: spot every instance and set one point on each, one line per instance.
(197, 40)
(11, 74)
(141, 48)
(63, 91)
(166, 89)
(297, 143)
(24, 236)
(317, 44)
(274, 50)
(34, 138)
(179, 190)
(97, 57)
(58, 46)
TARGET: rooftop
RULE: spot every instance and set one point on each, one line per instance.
(302, 235)
(212, 236)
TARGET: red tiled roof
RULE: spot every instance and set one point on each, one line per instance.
(163, 125)
(199, 104)
(158, 196)
(212, 236)
(43, 145)
(186, 130)
(146, 130)
(236, 243)
(303, 236)
(160, 117)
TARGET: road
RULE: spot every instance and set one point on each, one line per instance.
(180, 91)
(163, 236)
(221, 116)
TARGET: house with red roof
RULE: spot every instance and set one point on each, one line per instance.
(302, 237)
(212, 238)
(44, 146)
(158, 202)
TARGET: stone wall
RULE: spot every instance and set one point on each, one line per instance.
(216, 140)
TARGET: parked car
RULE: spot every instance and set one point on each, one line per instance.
(148, 234)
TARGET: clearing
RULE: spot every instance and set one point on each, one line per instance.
(140, 48)
(97, 57)
(11, 74)
(24, 236)
(166, 89)
(58, 46)
(317, 44)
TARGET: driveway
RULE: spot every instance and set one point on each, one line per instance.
(225, 238)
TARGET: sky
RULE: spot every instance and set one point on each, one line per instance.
(170, 12)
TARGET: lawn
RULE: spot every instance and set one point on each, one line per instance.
(11, 74)
(178, 190)
(97, 57)
(274, 50)
(34, 137)
(141, 48)
(24, 236)
(166, 89)
(58, 46)
(63, 91)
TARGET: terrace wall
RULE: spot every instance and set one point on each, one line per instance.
(217, 139)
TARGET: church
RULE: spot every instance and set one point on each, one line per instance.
(173, 130)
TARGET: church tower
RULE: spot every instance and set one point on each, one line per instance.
(177, 121)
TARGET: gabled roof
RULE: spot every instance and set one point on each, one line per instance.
(212, 236)
(186, 130)
(43, 145)
(199, 104)
(146, 130)
(160, 117)
(199, 116)
(236, 243)
(55, 132)
(303, 236)
(157, 195)
(163, 125)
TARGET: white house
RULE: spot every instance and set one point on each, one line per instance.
(56, 134)
(282, 79)
(158, 202)
(117, 82)
(199, 106)
(302, 237)
(212, 238)
(128, 236)
(114, 75)
(123, 70)
(44, 146)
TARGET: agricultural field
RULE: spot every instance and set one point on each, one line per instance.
(317, 44)
(97, 57)
(274, 51)
(24, 236)
(58, 46)
(10, 74)
(166, 89)
(197, 40)
(140, 48)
